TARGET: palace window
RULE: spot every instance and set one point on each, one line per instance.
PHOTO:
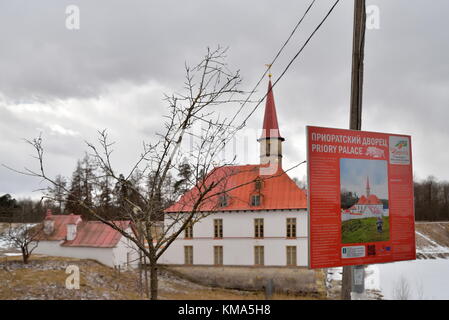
(259, 255)
(218, 228)
(291, 227)
(188, 232)
(291, 255)
(218, 255)
(258, 228)
(188, 254)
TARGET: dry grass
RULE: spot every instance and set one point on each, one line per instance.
(223, 294)
(44, 278)
(180, 288)
(438, 232)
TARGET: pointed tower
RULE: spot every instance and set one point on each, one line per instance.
(367, 187)
(271, 139)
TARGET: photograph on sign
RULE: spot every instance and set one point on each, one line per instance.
(360, 197)
(364, 201)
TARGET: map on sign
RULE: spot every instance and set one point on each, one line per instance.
(361, 206)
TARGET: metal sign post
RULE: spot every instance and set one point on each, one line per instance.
(358, 282)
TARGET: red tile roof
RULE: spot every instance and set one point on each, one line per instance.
(96, 234)
(88, 234)
(60, 226)
(372, 199)
(278, 191)
(73, 219)
(362, 200)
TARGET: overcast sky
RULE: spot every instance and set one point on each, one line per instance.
(113, 71)
(354, 174)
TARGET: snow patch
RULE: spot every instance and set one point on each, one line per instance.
(425, 279)
(372, 277)
(433, 248)
(4, 244)
(12, 254)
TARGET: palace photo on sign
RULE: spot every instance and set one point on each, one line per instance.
(364, 201)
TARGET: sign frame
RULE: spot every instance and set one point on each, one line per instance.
(349, 147)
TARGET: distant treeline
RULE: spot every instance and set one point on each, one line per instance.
(90, 188)
(24, 210)
(431, 200)
(431, 197)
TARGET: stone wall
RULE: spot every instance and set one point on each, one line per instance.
(294, 280)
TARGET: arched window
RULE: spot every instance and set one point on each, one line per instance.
(267, 148)
(256, 200)
(223, 200)
(258, 184)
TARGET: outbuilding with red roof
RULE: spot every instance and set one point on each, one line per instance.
(71, 236)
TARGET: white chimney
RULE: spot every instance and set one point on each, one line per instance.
(71, 227)
(49, 223)
(71, 231)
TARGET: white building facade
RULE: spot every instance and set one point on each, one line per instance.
(283, 242)
(118, 256)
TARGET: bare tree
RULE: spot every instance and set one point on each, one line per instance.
(23, 236)
(209, 86)
(401, 290)
(419, 290)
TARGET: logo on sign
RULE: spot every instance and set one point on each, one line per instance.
(399, 150)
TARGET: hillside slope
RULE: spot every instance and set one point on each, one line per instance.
(432, 240)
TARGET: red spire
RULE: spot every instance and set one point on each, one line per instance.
(270, 121)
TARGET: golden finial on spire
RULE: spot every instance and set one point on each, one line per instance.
(269, 70)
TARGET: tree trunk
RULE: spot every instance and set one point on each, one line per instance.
(153, 276)
(25, 255)
(140, 274)
(145, 270)
(346, 283)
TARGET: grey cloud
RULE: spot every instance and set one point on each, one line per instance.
(125, 45)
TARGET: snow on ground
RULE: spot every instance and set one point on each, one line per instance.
(422, 279)
(12, 254)
(432, 247)
(419, 279)
(372, 278)
(3, 244)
